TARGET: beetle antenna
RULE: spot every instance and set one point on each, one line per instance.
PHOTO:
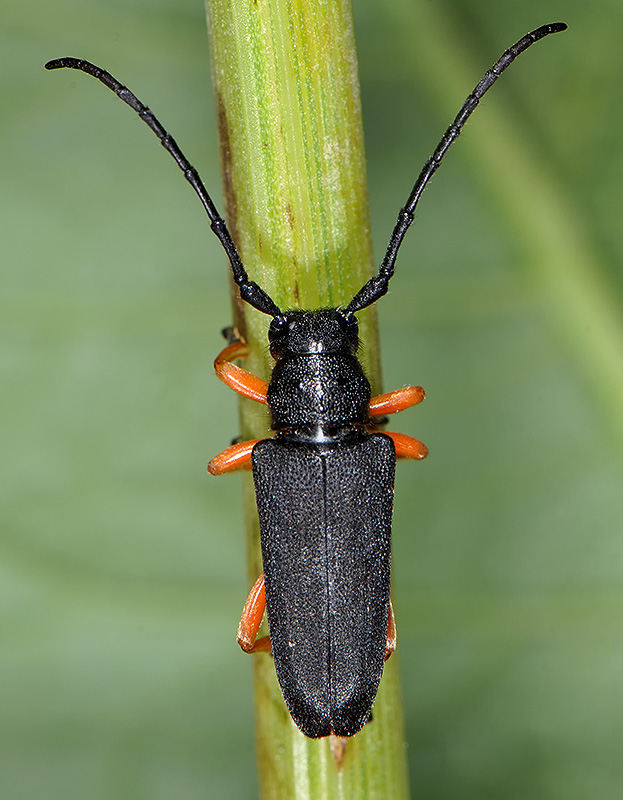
(249, 290)
(377, 286)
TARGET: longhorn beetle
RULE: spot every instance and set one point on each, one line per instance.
(324, 484)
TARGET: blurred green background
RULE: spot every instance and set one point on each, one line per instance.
(121, 563)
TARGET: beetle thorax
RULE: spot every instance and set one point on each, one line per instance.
(317, 390)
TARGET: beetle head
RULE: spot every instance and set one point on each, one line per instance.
(332, 330)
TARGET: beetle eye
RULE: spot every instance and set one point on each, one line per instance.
(278, 326)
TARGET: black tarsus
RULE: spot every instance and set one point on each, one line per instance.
(249, 290)
(377, 286)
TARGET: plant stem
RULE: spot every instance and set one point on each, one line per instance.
(287, 94)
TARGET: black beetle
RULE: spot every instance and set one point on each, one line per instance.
(324, 484)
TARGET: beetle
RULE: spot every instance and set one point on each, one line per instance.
(324, 483)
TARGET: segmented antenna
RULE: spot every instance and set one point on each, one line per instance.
(377, 286)
(249, 290)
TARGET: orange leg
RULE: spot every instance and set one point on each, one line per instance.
(407, 446)
(392, 402)
(237, 378)
(390, 645)
(238, 456)
(251, 619)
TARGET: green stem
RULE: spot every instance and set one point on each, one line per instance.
(287, 95)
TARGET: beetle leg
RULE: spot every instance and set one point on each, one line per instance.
(407, 446)
(251, 619)
(235, 349)
(395, 401)
(235, 377)
(238, 456)
(390, 645)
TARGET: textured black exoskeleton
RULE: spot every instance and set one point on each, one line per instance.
(324, 490)
(324, 483)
